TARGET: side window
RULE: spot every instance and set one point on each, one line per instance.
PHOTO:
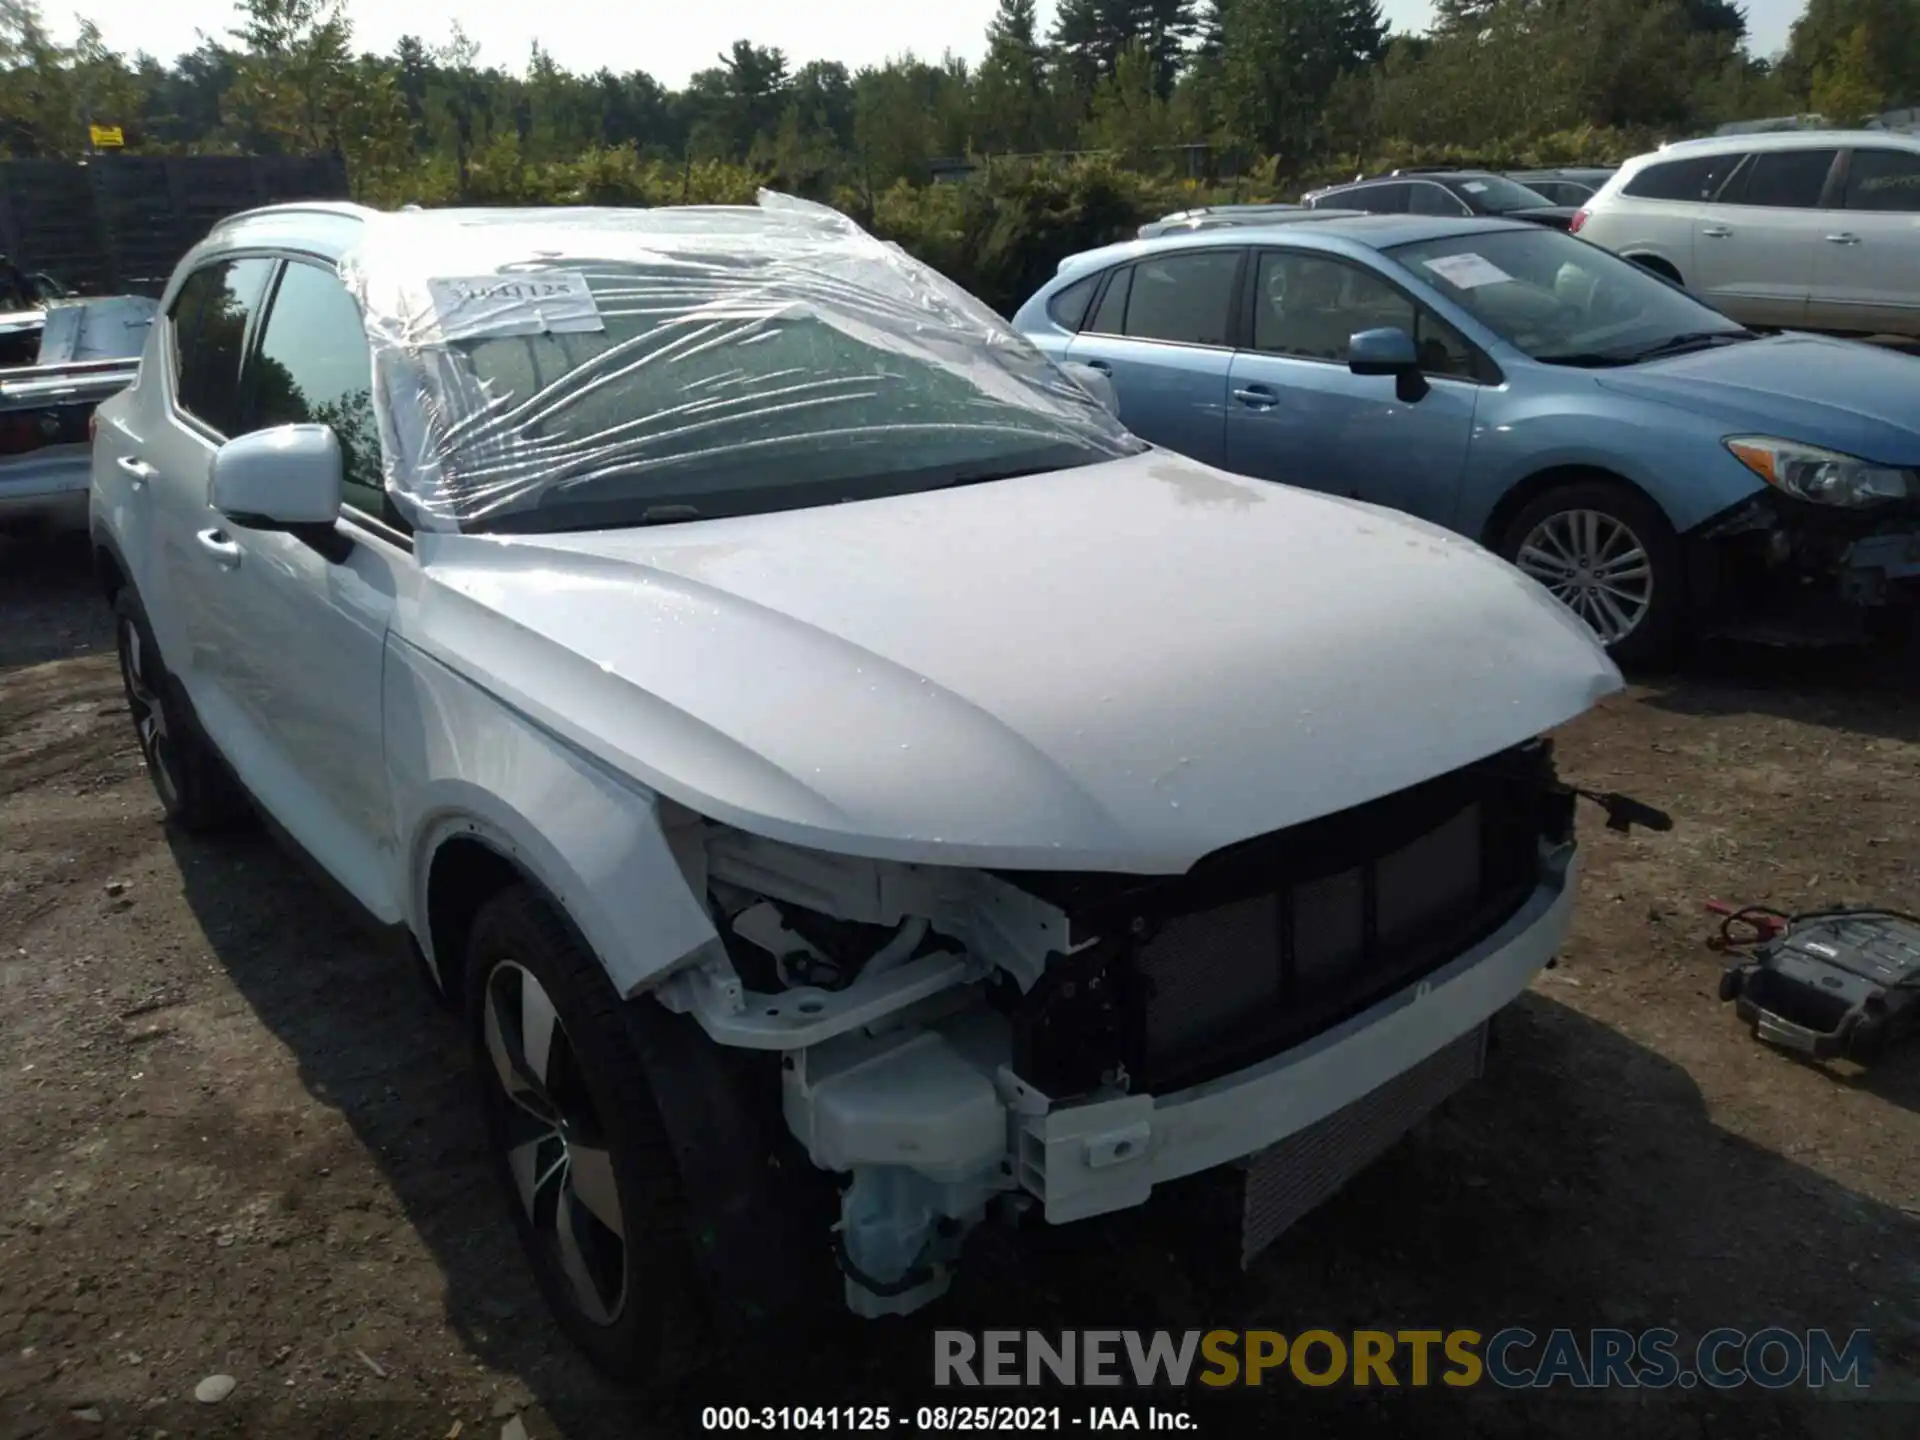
(1379, 199)
(1186, 298)
(1695, 179)
(209, 324)
(1781, 179)
(1068, 309)
(1311, 307)
(1884, 180)
(1113, 305)
(1430, 199)
(313, 366)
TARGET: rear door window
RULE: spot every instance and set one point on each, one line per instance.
(1068, 309)
(1885, 180)
(210, 324)
(1430, 199)
(1184, 298)
(1694, 179)
(1377, 199)
(1781, 179)
(1112, 313)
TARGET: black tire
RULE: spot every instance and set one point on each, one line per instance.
(1655, 265)
(595, 1082)
(197, 791)
(1654, 637)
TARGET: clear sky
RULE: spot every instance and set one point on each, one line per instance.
(671, 41)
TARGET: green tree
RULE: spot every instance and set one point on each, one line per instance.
(1012, 108)
(1280, 61)
(1867, 48)
(1128, 115)
(1846, 86)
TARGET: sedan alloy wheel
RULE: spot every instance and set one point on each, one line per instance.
(1596, 566)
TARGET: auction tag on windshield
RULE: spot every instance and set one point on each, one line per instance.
(1467, 272)
(1475, 187)
(545, 302)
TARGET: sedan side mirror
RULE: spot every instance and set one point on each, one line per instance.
(1389, 351)
(286, 478)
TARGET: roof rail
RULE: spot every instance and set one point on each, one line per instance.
(344, 208)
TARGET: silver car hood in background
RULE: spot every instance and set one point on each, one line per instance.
(1121, 667)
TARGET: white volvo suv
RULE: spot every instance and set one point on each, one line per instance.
(854, 788)
(1810, 229)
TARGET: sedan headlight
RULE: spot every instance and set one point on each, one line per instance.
(1824, 477)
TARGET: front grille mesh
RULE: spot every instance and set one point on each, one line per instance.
(1192, 994)
(1286, 1181)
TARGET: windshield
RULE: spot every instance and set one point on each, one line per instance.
(562, 370)
(1564, 301)
(1497, 195)
(658, 416)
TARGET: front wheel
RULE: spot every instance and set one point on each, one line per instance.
(578, 1144)
(1609, 556)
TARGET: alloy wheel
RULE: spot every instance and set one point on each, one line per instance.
(1595, 566)
(557, 1150)
(149, 714)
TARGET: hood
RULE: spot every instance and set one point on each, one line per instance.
(1859, 399)
(1122, 667)
(1560, 217)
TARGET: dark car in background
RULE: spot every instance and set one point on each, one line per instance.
(1569, 185)
(1444, 193)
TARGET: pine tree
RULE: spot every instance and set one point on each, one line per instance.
(1010, 92)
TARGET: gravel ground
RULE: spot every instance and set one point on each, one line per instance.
(236, 1138)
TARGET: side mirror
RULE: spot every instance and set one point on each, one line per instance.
(286, 478)
(1388, 351)
(1097, 383)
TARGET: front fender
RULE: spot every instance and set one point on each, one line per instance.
(465, 765)
(1675, 457)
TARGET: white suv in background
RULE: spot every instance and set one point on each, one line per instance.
(1817, 229)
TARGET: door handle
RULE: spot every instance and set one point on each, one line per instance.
(138, 472)
(1716, 232)
(1843, 239)
(217, 544)
(1258, 396)
(1102, 366)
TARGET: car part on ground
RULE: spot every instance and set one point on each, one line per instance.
(1827, 984)
(855, 788)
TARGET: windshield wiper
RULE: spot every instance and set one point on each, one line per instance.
(1691, 340)
(987, 476)
(1585, 360)
(668, 514)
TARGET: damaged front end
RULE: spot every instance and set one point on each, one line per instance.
(959, 1043)
(1777, 568)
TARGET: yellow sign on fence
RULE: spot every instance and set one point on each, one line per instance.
(106, 137)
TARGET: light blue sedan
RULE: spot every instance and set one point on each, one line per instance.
(1661, 469)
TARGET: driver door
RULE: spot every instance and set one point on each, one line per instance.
(1298, 415)
(293, 636)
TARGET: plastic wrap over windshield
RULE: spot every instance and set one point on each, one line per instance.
(584, 368)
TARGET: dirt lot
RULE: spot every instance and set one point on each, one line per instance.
(235, 1137)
